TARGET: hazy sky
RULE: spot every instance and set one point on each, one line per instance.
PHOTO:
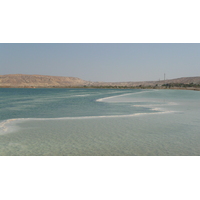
(102, 62)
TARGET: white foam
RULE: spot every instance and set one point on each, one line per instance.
(106, 98)
(81, 95)
(156, 109)
(7, 126)
(149, 105)
(156, 106)
(4, 126)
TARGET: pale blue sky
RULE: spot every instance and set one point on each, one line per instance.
(102, 62)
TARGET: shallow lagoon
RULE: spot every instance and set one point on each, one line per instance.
(99, 122)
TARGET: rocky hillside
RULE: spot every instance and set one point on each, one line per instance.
(186, 80)
(34, 81)
(38, 81)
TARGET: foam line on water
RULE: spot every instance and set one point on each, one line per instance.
(4, 125)
(156, 106)
(81, 95)
(7, 126)
(103, 99)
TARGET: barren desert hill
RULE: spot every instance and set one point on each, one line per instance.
(23, 80)
(38, 81)
(183, 80)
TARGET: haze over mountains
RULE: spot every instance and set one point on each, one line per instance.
(38, 81)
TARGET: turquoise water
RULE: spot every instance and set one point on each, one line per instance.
(100, 122)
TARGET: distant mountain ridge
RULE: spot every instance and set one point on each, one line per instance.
(38, 81)
(183, 80)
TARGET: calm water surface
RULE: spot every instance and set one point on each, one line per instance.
(99, 122)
